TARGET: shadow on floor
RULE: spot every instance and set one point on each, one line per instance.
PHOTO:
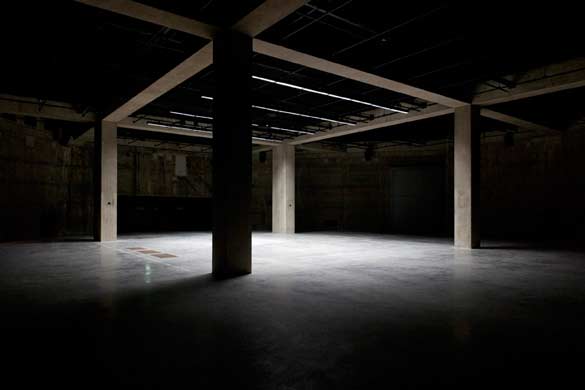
(139, 338)
(206, 333)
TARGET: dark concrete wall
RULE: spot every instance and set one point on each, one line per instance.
(45, 188)
(534, 188)
(342, 191)
(146, 171)
(261, 217)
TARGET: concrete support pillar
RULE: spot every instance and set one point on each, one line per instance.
(232, 155)
(466, 177)
(283, 189)
(106, 182)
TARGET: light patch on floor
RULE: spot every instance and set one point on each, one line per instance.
(148, 252)
(153, 252)
(164, 255)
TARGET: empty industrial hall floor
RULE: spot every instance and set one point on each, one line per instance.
(319, 311)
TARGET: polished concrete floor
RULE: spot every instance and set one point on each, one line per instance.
(320, 311)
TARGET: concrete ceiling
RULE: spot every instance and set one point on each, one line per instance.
(100, 59)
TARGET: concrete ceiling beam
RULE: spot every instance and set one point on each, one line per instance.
(261, 149)
(153, 15)
(429, 112)
(272, 11)
(386, 121)
(85, 138)
(266, 15)
(142, 124)
(541, 81)
(261, 18)
(182, 72)
(322, 148)
(309, 61)
(312, 148)
(487, 113)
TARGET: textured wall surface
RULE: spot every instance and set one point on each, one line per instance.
(45, 188)
(533, 188)
(345, 192)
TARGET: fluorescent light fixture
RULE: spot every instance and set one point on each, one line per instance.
(207, 131)
(328, 94)
(265, 139)
(293, 113)
(304, 115)
(191, 115)
(291, 130)
(174, 127)
(269, 109)
(204, 131)
(283, 129)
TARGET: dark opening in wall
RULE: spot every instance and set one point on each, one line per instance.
(157, 214)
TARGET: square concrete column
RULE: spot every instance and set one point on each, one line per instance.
(106, 182)
(466, 177)
(283, 189)
(232, 155)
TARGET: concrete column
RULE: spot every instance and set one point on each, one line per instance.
(106, 182)
(232, 155)
(466, 177)
(283, 189)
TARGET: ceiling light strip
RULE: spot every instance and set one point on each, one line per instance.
(303, 115)
(282, 129)
(191, 115)
(156, 124)
(286, 112)
(150, 123)
(328, 94)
